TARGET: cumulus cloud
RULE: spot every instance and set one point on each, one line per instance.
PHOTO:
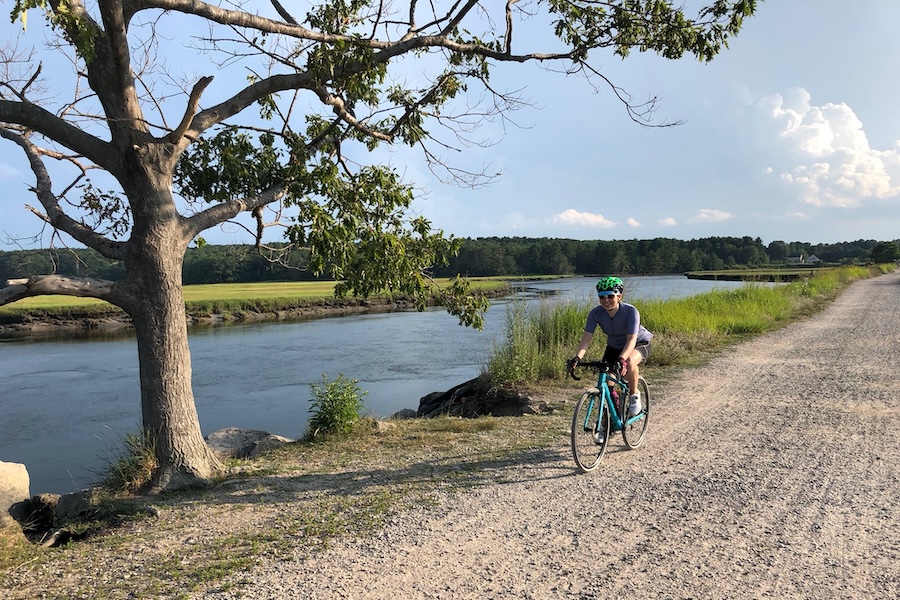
(828, 156)
(633, 222)
(574, 218)
(668, 222)
(709, 215)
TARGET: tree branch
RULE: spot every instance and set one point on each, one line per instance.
(189, 111)
(283, 13)
(55, 215)
(507, 41)
(35, 118)
(46, 285)
(220, 213)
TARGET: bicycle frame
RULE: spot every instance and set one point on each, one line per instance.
(616, 412)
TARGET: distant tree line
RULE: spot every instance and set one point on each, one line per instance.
(482, 257)
(546, 256)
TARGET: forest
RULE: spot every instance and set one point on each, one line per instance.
(483, 257)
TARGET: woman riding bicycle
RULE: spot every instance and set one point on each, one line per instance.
(628, 342)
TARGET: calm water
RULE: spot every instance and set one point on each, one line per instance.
(66, 402)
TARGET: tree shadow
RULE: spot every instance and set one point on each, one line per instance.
(460, 471)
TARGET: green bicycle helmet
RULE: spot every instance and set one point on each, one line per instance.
(609, 286)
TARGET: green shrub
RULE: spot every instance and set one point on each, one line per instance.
(336, 407)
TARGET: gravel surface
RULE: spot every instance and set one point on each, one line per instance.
(771, 472)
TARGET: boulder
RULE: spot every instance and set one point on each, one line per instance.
(474, 399)
(15, 486)
(270, 442)
(37, 514)
(74, 506)
(233, 442)
(406, 413)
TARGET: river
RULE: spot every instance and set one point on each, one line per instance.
(67, 399)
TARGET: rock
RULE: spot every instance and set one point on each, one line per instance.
(232, 442)
(15, 486)
(406, 413)
(267, 443)
(37, 514)
(474, 399)
(74, 506)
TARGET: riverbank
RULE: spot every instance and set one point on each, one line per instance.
(102, 316)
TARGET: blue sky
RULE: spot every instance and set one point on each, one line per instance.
(791, 134)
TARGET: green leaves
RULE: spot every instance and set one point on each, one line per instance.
(231, 165)
(336, 406)
(358, 233)
(355, 224)
(80, 30)
(648, 25)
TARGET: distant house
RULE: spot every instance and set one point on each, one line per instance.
(813, 259)
(798, 259)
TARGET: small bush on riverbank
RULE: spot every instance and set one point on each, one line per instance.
(336, 407)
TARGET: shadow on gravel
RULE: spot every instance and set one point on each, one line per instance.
(460, 471)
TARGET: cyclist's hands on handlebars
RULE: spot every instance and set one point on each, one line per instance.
(623, 365)
(571, 364)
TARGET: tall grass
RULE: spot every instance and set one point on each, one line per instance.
(536, 342)
(539, 341)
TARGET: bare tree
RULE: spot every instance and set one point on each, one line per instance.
(323, 89)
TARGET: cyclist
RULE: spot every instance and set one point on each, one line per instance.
(628, 342)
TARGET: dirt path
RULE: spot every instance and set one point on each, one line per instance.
(773, 472)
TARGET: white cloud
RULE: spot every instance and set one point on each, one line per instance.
(826, 153)
(709, 215)
(574, 218)
(668, 222)
(633, 222)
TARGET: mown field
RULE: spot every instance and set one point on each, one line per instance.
(211, 298)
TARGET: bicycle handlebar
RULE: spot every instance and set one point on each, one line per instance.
(598, 366)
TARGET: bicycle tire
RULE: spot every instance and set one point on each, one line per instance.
(590, 431)
(634, 433)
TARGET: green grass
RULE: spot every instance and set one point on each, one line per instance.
(336, 407)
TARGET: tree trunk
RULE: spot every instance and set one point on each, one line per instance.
(156, 306)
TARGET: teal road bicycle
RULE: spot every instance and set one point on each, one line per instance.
(604, 409)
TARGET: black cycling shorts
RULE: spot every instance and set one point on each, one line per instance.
(612, 354)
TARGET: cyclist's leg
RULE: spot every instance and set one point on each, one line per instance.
(640, 352)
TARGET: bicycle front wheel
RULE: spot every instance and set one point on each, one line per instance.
(636, 427)
(590, 431)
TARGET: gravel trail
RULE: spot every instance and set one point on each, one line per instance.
(772, 472)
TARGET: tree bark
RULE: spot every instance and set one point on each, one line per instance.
(156, 305)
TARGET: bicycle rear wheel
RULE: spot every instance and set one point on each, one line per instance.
(636, 427)
(590, 431)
